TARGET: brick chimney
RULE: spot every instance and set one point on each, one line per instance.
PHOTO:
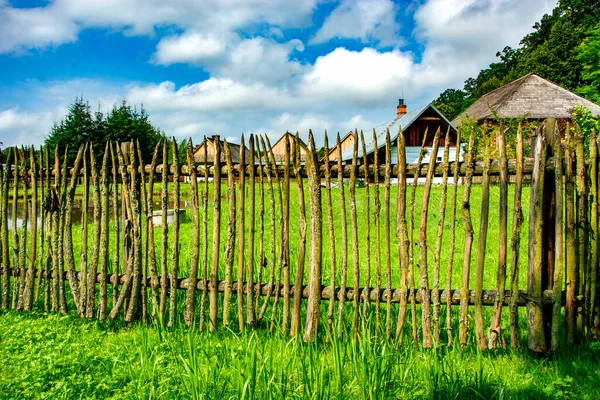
(401, 109)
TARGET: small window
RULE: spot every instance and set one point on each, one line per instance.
(439, 158)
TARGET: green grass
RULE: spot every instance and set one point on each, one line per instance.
(52, 356)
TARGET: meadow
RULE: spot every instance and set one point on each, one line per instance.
(52, 356)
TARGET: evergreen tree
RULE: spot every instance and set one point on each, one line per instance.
(121, 124)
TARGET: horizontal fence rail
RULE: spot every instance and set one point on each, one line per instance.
(395, 247)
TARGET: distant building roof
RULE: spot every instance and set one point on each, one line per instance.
(403, 122)
(531, 95)
(233, 148)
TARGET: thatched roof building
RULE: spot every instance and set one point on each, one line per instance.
(529, 95)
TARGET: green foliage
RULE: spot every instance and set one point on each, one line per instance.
(487, 133)
(588, 53)
(451, 102)
(121, 124)
(51, 356)
(563, 48)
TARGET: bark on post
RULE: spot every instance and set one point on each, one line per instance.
(203, 298)
(286, 237)
(6, 172)
(558, 241)
(93, 267)
(190, 296)
(452, 241)
(272, 212)
(68, 243)
(117, 230)
(230, 249)
(402, 234)
(344, 272)
(295, 326)
(535, 317)
(411, 244)
(367, 290)
(216, 239)
(386, 232)
(104, 226)
(241, 235)
(468, 228)
(313, 314)
(438, 243)
(164, 187)
(581, 232)
(515, 241)
(423, 272)
(261, 231)
(570, 258)
(175, 251)
(282, 248)
(331, 229)
(376, 210)
(354, 226)
(495, 332)
(28, 296)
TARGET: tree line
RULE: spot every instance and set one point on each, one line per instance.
(564, 48)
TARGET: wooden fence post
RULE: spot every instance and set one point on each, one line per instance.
(535, 316)
(313, 315)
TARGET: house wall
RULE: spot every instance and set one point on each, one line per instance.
(279, 150)
(210, 150)
(347, 143)
(429, 122)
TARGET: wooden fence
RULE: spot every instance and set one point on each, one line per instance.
(369, 261)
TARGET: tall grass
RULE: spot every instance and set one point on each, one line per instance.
(49, 356)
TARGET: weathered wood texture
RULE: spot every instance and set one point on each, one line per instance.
(332, 243)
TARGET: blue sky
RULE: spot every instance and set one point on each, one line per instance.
(227, 67)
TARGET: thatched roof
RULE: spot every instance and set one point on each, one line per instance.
(529, 95)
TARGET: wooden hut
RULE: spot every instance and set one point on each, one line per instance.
(414, 125)
(531, 96)
(279, 148)
(210, 150)
(347, 142)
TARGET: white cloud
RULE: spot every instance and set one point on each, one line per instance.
(213, 94)
(22, 29)
(189, 47)
(19, 127)
(228, 56)
(366, 20)
(364, 78)
(61, 20)
(466, 34)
